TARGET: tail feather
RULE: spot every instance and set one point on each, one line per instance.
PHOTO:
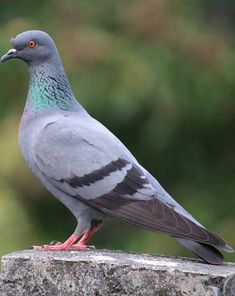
(206, 252)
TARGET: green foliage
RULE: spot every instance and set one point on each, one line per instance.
(159, 74)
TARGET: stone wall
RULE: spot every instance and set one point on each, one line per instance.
(102, 272)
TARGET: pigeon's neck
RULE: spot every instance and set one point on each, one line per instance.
(49, 89)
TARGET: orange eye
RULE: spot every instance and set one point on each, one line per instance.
(32, 44)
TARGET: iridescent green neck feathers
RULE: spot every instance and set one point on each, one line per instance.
(49, 89)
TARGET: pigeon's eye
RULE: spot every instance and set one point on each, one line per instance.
(32, 44)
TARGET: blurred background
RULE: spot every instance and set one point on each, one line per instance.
(161, 75)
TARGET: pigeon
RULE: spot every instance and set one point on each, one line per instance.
(87, 167)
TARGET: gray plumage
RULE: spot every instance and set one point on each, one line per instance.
(85, 166)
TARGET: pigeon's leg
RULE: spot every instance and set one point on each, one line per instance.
(81, 245)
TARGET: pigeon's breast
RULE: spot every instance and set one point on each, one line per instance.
(29, 132)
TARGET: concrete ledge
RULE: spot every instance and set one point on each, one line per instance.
(102, 272)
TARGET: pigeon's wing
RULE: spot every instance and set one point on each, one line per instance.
(85, 160)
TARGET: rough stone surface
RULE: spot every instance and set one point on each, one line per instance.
(102, 272)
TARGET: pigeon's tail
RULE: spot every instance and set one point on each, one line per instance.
(207, 252)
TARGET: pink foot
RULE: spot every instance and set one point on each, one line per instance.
(69, 244)
(63, 247)
(57, 246)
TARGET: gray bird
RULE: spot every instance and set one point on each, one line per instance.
(86, 167)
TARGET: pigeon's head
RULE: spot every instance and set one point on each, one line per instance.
(33, 47)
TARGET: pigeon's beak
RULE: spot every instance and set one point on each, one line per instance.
(9, 55)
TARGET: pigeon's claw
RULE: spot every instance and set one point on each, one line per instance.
(37, 248)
